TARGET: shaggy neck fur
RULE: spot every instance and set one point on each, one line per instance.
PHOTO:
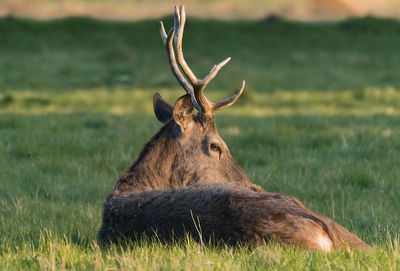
(153, 166)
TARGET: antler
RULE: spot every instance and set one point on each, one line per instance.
(196, 87)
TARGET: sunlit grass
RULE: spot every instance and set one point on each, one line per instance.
(119, 101)
(52, 251)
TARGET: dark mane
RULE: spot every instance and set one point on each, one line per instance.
(152, 144)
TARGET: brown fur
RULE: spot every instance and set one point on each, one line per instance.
(178, 180)
(220, 211)
(168, 161)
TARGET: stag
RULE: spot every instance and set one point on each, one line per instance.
(185, 180)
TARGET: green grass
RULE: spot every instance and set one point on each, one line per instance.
(319, 120)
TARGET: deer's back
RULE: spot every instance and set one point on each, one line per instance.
(220, 212)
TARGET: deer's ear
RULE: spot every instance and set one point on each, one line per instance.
(162, 109)
(183, 111)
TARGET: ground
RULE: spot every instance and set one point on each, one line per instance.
(318, 120)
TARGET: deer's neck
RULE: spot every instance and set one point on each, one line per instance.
(152, 170)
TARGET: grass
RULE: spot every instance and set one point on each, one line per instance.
(319, 120)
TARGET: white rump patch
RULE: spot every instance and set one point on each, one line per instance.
(324, 243)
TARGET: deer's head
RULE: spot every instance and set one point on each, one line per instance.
(187, 150)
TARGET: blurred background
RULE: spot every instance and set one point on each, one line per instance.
(301, 46)
(304, 10)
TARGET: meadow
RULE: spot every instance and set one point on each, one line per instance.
(319, 120)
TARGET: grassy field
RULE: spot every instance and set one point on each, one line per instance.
(319, 120)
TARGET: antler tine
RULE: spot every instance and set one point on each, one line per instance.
(208, 106)
(231, 100)
(214, 72)
(163, 33)
(167, 40)
(179, 20)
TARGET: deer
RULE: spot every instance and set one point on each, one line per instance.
(186, 182)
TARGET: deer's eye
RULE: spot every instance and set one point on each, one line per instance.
(215, 147)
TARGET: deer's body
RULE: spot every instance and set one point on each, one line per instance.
(221, 211)
(186, 181)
